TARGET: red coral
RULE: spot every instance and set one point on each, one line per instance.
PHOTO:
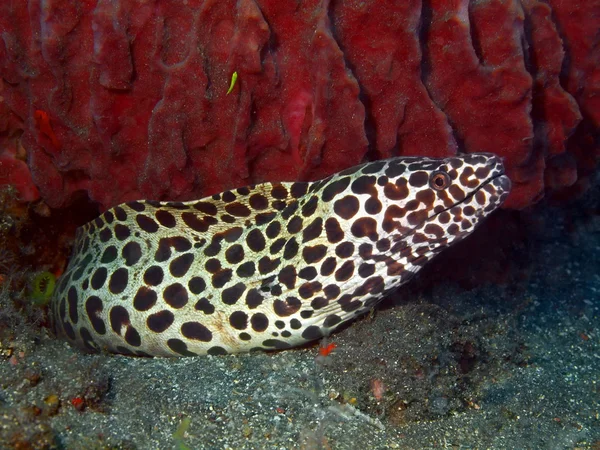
(135, 92)
(381, 42)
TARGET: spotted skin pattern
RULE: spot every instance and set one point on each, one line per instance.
(269, 266)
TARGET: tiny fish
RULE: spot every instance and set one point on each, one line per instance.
(232, 83)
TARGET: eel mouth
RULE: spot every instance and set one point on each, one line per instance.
(502, 185)
(499, 180)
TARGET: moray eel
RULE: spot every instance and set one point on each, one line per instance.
(269, 266)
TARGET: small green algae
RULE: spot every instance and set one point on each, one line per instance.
(180, 433)
(42, 288)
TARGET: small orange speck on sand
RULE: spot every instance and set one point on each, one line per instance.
(78, 403)
(325, 350)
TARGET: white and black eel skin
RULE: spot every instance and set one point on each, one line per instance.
(269, 266)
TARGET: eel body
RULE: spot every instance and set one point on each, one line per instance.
(269, 266)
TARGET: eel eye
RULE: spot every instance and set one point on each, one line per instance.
(439, 181)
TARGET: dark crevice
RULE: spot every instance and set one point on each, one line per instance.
(423, 33)
(206, 69)
(269, 49)
(460, 142)
(396, 148)
(566, 62)
(369, 124)
(425, 22)
(272, 44)
(529, 58)
(475, 38)
(537, 114)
